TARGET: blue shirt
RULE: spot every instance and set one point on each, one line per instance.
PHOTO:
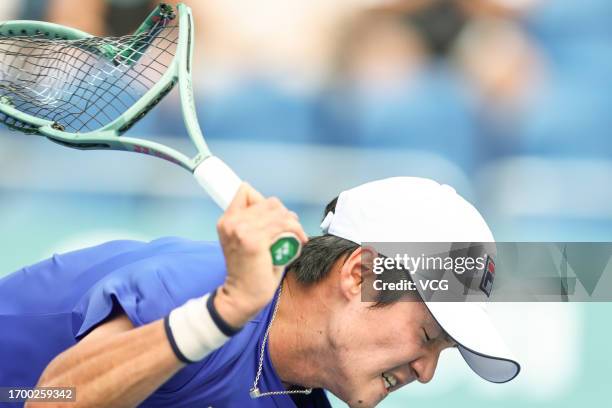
(48, 307)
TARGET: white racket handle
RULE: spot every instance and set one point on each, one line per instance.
(222, 184)
(219, 181)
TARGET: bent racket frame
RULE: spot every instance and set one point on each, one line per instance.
(219, 181)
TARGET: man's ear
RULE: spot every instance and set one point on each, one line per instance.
(356, 267)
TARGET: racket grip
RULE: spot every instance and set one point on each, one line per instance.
(222, 184)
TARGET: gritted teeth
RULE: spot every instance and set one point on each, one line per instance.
(390, 380)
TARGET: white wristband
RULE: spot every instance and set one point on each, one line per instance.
(192, 332)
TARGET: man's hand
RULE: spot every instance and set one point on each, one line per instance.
(250, 225)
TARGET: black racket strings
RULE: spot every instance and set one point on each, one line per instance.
(81, 84)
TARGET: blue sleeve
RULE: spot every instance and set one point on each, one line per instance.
(55, 284)
(150, 287)
(63, 298)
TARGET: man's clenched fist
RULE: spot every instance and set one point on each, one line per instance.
(250, 225)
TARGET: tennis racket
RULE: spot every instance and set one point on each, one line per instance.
(85, 92)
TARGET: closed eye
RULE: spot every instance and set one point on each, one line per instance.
(427, 338)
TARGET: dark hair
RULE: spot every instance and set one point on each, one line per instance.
(320, 253)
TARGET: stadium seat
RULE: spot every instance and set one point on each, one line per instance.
(535, 198)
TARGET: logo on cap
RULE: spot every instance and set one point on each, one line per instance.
(486, 284)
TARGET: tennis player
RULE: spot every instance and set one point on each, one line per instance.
(178, 323)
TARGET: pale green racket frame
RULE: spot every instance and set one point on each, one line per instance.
(214, 175)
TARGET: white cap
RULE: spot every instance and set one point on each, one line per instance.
(412, 209)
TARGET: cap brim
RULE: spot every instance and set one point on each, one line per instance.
(478, 341)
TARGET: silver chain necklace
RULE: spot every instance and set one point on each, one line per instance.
(255, 392)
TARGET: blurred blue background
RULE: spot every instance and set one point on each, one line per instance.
(507, 101)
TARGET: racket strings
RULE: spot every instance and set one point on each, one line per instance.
(83, 84)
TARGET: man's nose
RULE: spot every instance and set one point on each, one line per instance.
(425, 367)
